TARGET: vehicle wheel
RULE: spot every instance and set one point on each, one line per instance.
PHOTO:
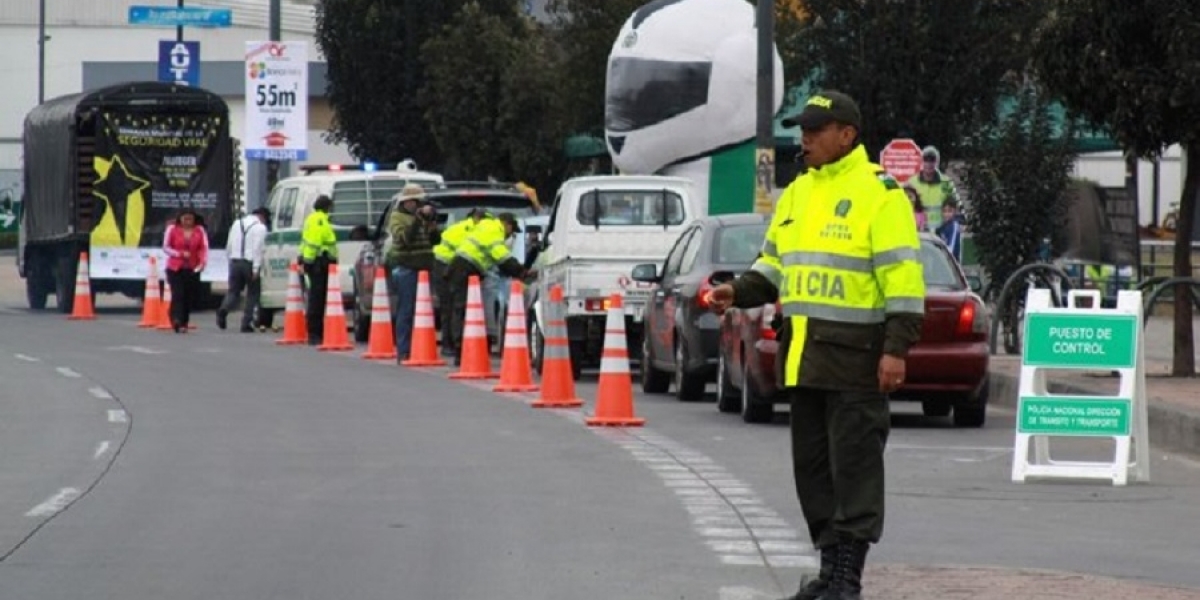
(578, 351)
(936, 408)
(37, 285)
(689, 387)
(362, 326)
(654, 381)
(973, 412)
(754, 408)
(537, 345)
(64, 283)
(728, 398)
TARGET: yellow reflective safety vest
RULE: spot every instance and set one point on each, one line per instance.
(842, 249)
(484, 246)
(452, 238)
(317, 237)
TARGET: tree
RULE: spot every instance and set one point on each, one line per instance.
(466, 66)
(586, 31)
(372, 49)
(929, 70)
(533, 118)
(1133, 68)
(1014, 176)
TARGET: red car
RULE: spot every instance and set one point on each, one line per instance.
(946, 370)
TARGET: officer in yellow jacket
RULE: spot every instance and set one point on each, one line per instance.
(481, 250)
(443, 253)
(841, 256)
(318, 249)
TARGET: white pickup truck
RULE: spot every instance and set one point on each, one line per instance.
(600, 227)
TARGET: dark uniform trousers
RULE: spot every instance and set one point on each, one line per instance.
(441, 291)
(318, 286)
(838, 438)
(458, 275)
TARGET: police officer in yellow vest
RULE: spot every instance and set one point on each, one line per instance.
(483, 248)
(443, 253)
(318, 249)
(840, 255)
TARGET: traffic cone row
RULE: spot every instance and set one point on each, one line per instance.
(614, 395)
(381, 341)
(335, 338)
(152, 298)
(474, 360)
(558, 384)
(82, 309)
(424, 351)
(516, 375)
(295, 328)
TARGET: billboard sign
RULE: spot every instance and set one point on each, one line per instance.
(276, 101)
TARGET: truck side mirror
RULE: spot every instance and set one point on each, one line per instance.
(646, 273)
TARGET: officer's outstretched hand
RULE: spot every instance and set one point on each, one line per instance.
(720, 298)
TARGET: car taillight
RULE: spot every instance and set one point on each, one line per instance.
(703, 298)
(596, 304)
(766, 331)
(971, 321)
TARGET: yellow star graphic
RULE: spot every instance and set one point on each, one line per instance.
(107, 232)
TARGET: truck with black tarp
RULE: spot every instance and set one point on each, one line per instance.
(105, 171)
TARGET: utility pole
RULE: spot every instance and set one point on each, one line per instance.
(41, 51)
(274, 167)
(764, 155)
(179, 28)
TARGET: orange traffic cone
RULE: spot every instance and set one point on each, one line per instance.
(515, 373)
(151, 298)
(476, 364)
(558, 385)
(295, 328)
(381, 342)
(164, 308)
(424, 337)
(334, 338)
(81, 309)
(614, 394)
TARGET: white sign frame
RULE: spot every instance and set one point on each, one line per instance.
(133, 264)
(276, 101)
(1132, 386)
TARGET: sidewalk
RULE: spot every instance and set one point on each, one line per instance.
(903, 582)
(1174, 403)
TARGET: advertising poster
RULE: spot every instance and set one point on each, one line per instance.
(149, 167)
(276, 101)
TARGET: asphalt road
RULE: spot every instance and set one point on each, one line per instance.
(141, 465)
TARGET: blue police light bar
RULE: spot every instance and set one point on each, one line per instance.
(369, 167)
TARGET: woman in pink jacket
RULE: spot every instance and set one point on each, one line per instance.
(186, 246)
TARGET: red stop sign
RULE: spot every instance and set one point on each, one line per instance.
(901, 159)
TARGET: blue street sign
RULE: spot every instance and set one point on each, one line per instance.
(170, 16)
(179, 62)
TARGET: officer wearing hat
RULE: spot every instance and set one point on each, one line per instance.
(482, 249)
(840, 256)
(410, 252)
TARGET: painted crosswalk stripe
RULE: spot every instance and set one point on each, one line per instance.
(101, 450)
(67, 372)
(27, 358)
(100, 393)
(55, 504)
(117, 416)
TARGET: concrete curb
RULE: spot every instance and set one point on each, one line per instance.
(1174, 428)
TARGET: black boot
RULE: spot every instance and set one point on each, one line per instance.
(846, 582)
(811, 588)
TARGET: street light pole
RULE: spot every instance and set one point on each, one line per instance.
(179, 28)
(274, 32)
(764, 155)
(41, 51)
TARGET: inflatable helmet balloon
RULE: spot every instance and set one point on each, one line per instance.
(682, 83)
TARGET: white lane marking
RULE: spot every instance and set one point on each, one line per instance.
(101, 448)
(136, 349)
(100, 393)
(67, 372)
(56, 503)
(950, 448)
(742, 593)
(27, 358)
(117, 416)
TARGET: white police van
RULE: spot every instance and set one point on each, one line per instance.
(360, 193)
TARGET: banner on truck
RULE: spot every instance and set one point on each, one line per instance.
(149, 167)
(276, 101)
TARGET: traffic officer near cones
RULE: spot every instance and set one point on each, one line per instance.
(318, 249)
(483, 248)
(443, 253)
(840, 255)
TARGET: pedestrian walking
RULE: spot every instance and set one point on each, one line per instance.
(840, 256)
(443, 253)
(410, 252)
(246, 249)
(318, 250)
(483, 249)
(186, 246)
